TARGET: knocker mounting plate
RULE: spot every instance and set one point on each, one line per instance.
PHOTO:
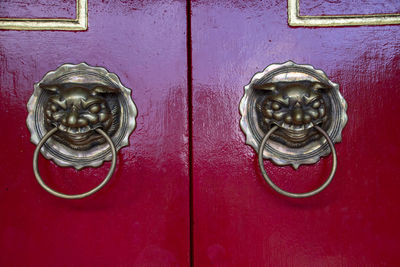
(78, 100)
(295, 98)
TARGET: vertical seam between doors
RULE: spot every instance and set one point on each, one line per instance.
(190, 125)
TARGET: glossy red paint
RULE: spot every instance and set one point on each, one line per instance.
(141, 218)
(38, 9)
(348, 7)
(238, 219)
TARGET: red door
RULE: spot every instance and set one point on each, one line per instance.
(192, 193)
(141, 217)
(238, 219)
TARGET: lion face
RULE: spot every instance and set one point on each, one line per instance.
(295, 107)
(77, 112)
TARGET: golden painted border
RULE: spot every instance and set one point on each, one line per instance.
(78, 24)
(294, 18)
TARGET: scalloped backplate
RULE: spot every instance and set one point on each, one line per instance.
(83, 76)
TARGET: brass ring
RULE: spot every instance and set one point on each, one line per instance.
(286, 193)
(61, 195)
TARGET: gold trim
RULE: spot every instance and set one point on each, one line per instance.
(294, 18)
(78, 24)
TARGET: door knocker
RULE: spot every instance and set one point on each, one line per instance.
(293, 114)
(80, 116)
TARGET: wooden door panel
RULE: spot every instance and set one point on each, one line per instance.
(238, 219)
(38, 9)
(141, 218)
(348, 7)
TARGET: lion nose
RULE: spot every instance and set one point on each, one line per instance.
(298, 116)
(72, 118)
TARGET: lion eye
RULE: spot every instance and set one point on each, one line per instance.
(53, 107)
(275, 106)
(316, 104)
(94, 108)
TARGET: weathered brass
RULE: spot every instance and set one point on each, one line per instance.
(291, 105)
(295, 106)
(77, 196)
(295, 19)
(295, 98)
(297, 195)
(78, 24)
(77, 100)
(80, 116)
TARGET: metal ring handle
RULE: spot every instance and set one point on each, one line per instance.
(61, 195)
(296, 195)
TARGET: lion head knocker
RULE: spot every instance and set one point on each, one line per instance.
(295, 107)
(293, 114)
(79, 100)
(296, 99)
(77, 111)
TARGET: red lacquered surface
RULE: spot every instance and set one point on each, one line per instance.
(141, 218)
(348, 7)
(38, 9)
(238, 219)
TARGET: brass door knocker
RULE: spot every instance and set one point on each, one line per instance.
(80, 116)
(299, 111)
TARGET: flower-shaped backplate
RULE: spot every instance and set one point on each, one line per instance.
(77, 99)
(295, 98)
